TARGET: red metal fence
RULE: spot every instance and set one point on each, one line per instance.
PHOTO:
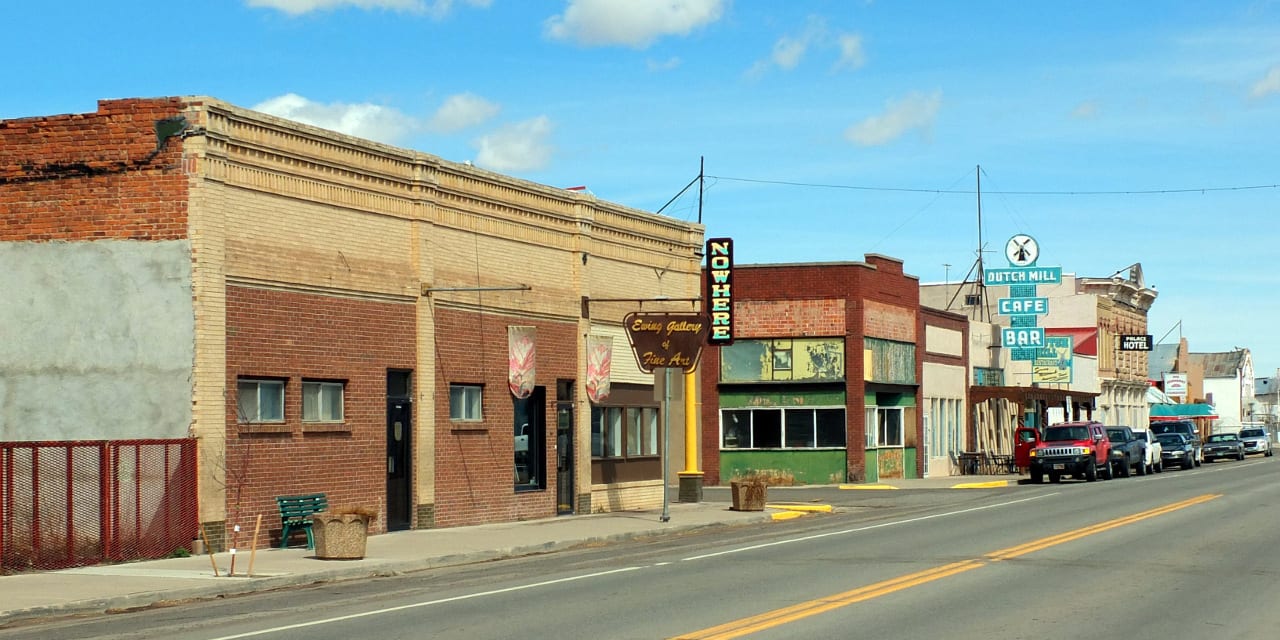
(68, 504)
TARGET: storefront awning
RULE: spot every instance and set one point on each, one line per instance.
(1156, 396)
(1084, 339)
(1182, 411)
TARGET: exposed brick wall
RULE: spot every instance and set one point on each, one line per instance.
(474, 477)
(809, 295)
(292, 336)
(774, 318)
(93, 176)
(889, 322)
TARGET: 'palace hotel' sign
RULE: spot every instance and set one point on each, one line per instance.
(1135, 342)
(719, 296)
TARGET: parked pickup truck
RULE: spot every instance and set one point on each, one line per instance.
(1127, 452)
(1155, 450)
(1078, 449)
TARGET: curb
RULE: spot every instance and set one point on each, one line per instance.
(981, 485)
(246, 585)
(802, 508)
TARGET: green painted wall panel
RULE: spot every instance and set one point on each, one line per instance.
(891, 362)
(774, 397)
(909, 455)
(823, 466)
(873, 399)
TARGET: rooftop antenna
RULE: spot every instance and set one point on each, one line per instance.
(980, 285)
(696, 179)
(982, 281)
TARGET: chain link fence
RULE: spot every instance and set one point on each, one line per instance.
(69, 504)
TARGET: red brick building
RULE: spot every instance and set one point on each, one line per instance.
(822, 382)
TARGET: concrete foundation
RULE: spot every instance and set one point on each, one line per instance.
(691, 487)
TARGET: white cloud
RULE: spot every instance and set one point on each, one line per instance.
(790, 50)
(630, 23)
(460, 112)
(1268, 85)
(434, 8)
(851, 54)
(521, 146)
(916, 111)
(1085, 110)
(663, 65)
(370, 121)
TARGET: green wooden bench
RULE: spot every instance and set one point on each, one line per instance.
(295, 514)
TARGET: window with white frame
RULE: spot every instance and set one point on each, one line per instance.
(465, 402)
(889, 426)
(259, 400)
(322, 401)
(945, 416)
(884, 427)
(782, 428)
(956, 427)
(869, 427)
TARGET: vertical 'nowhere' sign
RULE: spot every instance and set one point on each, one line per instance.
(719, 296)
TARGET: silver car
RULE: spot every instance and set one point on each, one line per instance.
(1256, 440)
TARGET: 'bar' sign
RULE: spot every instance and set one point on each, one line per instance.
(719, 297)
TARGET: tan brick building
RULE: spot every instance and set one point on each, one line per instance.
(324, 313)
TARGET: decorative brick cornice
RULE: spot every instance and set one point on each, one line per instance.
(262, 152)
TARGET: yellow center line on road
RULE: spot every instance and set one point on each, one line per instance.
(744, 626)
(785, 615)
(1044, 543)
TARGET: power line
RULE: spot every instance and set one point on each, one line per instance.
(1133, 192)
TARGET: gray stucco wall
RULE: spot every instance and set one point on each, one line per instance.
(96, 340)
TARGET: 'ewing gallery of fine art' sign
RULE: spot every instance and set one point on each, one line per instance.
(666, 340)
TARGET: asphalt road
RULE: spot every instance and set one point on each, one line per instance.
(1182, 554)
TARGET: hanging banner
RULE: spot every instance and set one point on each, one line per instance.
(520, 360)
(599, 366)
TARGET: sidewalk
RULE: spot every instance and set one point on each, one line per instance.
(113, 587)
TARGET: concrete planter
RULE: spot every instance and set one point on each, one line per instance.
(340, 536)
(749, 495)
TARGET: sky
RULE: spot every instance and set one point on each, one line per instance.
(1114, 133)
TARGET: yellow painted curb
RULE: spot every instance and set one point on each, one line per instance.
(867, 486)
(803, 508)
(787, 515)
(981, 485)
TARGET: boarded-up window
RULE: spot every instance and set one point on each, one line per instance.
(890, 362)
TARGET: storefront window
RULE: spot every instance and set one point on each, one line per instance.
(615, 430)
(786, 428)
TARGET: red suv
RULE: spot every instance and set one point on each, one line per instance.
(1079, 449)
